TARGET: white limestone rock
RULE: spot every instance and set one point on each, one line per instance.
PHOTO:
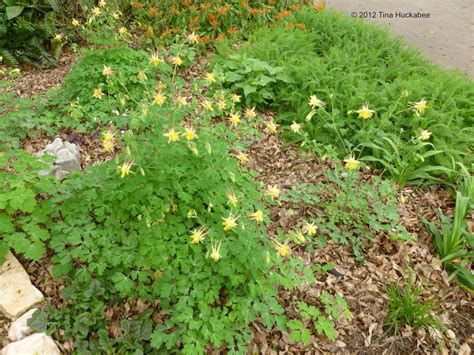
(19, 329)
(36, 344)
(17, 293)
(68, 158)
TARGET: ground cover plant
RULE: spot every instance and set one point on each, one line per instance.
(356, 89)
(195, 228)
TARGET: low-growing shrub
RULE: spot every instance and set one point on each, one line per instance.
(172, 219)
(105, 84)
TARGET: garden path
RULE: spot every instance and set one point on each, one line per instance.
(447, 36)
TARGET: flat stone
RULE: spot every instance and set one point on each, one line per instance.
(17, 293)
(36, 344)
(19, 329)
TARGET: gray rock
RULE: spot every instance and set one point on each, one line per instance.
(68, 158)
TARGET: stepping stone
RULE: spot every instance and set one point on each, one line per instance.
(17, 293)
(36, 344)
(19, 329)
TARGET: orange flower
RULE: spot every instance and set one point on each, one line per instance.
(245, 3)
(153, 11)
(186, 3)
(320, 5)
(295, 7)
(138, 5)
(301, 26)
(253, 11)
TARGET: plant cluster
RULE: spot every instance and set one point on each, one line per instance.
(252, 78)
(173, 218)
(24, 206)
(335, 307)
(406, 308)
(386, 105)
(351, 210)
(206, 21)
(452, 238)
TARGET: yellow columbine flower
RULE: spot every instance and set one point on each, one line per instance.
(310, 115)
(172, 135)
(74, 22)
(250, 113)
(98, 93)
(352, 164)
(207, 105)
(235, 98)
(272, 127)
(141, 75)
(155, 59)
(95, 11)
(125, 168)
(181, 101)
(102, 3)
(424, 135)
(189, 134)
(122, 30)
(116, 15)
(176, 60)
(193, 37)
(159, 99)
(310, 229)
(419, 106)
(58, 37)
(232, 199)
(272, 191)
(107, 71)
(295, 127)
(198, 235)
(234, 118)
(243, 158)
(215, 251)
(229, 222)
(221, 105)
(364, 112)
(257, 216)
(210, 78)
(315, 102)
(299, 236)
(108, 141)
(282, 249)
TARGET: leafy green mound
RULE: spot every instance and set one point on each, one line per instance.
(348, 63)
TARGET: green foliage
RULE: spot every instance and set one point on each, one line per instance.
(406, 308)
(454, 242)
(350, 209)
(26, 29)
(128, 236)
(254, 79)
(347, 63)
(322, 322)
(24, 208)
(122, 91)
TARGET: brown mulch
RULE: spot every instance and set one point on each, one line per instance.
(364, 285)
(32, 81)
